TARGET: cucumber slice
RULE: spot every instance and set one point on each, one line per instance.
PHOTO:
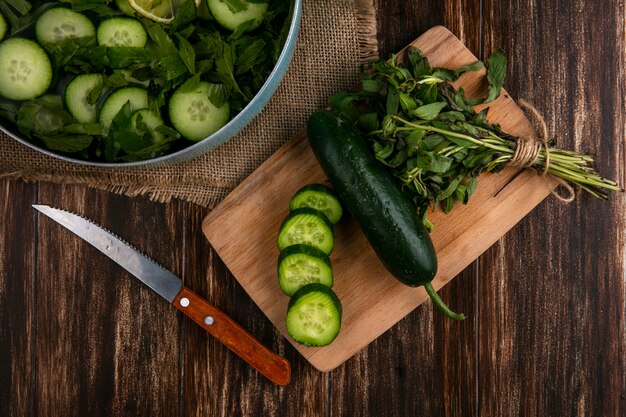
(122, 32)
(230, 18)
(309, 227)
(314, 315)
(152, 121)
(318, 197)
(77, 97)
(193, 114)
(60, 24)
(138, 98)
(125, 7)
(299, 265)
(3, 26)
(25, 70)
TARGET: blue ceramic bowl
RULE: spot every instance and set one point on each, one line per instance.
(229, 130)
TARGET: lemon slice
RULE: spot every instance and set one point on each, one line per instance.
(161, 11)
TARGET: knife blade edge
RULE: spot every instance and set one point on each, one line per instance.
(155, 276)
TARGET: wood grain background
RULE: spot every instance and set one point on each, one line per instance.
(546, 303)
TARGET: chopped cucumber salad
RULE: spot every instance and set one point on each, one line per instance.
(130, 80)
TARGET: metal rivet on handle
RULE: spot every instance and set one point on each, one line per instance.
(208, 320)
(184, 302)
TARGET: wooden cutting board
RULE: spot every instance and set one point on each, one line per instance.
(243, 228)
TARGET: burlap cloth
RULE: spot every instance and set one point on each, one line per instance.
(335, 37)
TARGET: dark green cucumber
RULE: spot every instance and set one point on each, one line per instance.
(299, 265)
(314, 315)
(318, 197)
(369, 192)
(309, 227)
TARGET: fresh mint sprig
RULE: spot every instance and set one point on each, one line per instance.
(431, 138)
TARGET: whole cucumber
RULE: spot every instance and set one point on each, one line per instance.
(386, 217)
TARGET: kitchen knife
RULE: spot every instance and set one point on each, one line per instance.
(170, 287)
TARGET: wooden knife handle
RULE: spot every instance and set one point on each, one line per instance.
(236, 338)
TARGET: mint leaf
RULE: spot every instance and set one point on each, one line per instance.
(22, 6)
(67, 144)
(218, 94)
(496, 71)
(429, 111)
(187, 54)
(226, 70)
(250, 55)
(190, 85)
(119, 130)
(122, 57)
(164, 44)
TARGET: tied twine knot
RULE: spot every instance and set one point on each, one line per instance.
(528, 149)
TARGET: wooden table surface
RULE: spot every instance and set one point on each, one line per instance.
(546, 328)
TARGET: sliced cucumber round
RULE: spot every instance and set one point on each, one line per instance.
(314, 315)
(60, 24)
(318, 197)
(231, 18)
(3, 26)
(193, 114)
(299, 265)
(151, 120)
(25, 69)
(125, 7)
(138, 98)
(122, 32)
(309, 227)
(77, 97)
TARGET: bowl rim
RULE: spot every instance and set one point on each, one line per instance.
(221, 136)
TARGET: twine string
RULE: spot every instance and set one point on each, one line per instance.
(528, 150)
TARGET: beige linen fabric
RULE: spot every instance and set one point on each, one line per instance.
(335, 37)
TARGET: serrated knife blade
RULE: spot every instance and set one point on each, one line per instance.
(162, 281)
(169, 286)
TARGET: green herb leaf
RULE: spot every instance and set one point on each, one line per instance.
(383, 151)
(429, 111)
(164, 44)
(372, 85)
(450, 189)
(224, 65)
(119, 132)
(368, 122)
(393, 101)
(187, 53)
(67, 144)
(122, 57)
(478, 65)
(418, 63)
(407, 102)
(414, 141)
(496, 71)
(218, 94)
(190, 85)
(185, 13)
(251, 54)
